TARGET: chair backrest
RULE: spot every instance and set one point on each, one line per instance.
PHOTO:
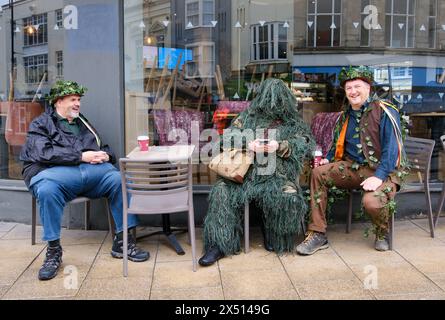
(155, 187)
(419, 152)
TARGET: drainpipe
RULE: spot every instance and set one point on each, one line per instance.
(11, 7)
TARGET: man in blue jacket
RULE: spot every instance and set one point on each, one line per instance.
(64, 158)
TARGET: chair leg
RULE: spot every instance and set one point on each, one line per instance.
(125, 248)
(349, 219)
(391, 236)
(430, 210)
(111, 224)
(189, 238)
(192, 236)
(87, 215)
(303, 225)
(246, 228)
(68, 226)
(34, 221)
(439, 210)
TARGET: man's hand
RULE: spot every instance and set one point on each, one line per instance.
(324, 162)
(371, 184)
(93, 157)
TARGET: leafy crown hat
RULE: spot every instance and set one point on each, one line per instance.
(354, 73)
(65, 88)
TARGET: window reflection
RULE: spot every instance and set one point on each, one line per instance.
(203, 60)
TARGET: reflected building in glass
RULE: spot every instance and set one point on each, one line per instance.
(172, 69)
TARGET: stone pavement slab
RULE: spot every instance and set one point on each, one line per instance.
(323, 266)
(208, 293)
(179, 275)
(338, 289)
(271, 284)
(117, 288)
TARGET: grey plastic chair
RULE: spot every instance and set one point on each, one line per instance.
(157, 188)
(418, 152)
(87, 211)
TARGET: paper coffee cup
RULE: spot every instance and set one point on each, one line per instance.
(143, 142)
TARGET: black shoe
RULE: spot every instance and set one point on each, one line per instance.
(267, 245)
(51, 266)
(135, 254)
(211, 256)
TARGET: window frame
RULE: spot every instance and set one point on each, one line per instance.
(407, 16)
(59, 64)
(273, 41)
(333, 14)
(42, 21)
(434, 18)
(34, 66)
(200, 14)
(58, 15)
(200, 61)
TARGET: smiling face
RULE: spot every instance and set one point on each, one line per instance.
(69, 107)
(357, 92)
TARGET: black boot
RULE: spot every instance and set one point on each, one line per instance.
(51, 266)
(211, 256)
(135, 254)
(267, 245)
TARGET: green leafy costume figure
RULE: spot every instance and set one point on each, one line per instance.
(278, 193)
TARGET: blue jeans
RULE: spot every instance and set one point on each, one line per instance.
(55, 187)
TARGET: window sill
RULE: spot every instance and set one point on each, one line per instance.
(13, 185)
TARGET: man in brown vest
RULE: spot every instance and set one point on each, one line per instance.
(366, 153)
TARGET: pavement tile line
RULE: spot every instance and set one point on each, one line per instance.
(92, 264)
(355, 274)
(374, 293)
(23, 272)
(154, 269)
(290, 279)
(427, 230)
(420, 271)
(10, 230)
(220, 279)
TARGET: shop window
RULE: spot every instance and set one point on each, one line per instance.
(324, 23)
(199, 13)
(269, 42)
(35, 68)
(35, 30)
(400, 23)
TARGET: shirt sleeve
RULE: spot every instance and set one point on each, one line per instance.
(389, 145)
(330, 155)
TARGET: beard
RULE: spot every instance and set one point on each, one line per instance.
(74, 114)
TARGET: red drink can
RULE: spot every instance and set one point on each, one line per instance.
(318, 156)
